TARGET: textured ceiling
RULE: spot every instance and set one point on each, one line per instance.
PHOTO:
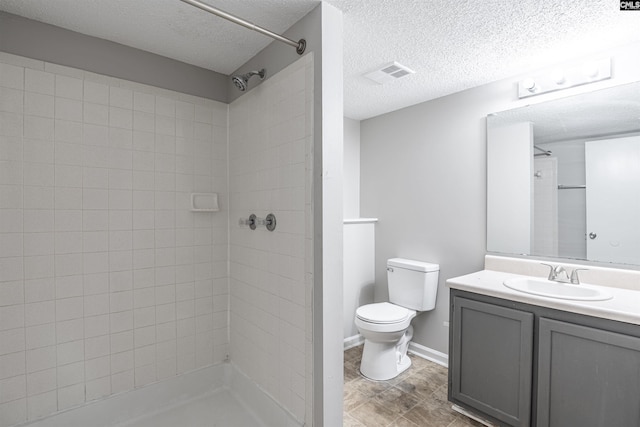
(457, 45)
(452, 46)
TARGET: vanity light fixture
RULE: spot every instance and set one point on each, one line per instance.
(558, 79)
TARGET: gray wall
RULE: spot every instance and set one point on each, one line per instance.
(33, 39)
(423, 174)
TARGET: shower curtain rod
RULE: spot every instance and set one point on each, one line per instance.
(300, 45)
(544, 152)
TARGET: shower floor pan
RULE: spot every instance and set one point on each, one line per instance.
(216, 396)
(219, 408)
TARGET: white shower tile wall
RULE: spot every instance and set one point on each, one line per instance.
(108, 281)
(270, 171)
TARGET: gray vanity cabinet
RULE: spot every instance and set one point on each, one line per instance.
(587, 377)
(516, 364)
(491, 360)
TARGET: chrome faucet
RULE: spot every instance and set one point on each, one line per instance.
(559, 274)
(574, 275)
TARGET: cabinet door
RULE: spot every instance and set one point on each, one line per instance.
(491, 360)
(587, 377)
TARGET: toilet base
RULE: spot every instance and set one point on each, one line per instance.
(380, 361)
(405, 363)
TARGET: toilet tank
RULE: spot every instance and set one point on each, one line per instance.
(412, 284)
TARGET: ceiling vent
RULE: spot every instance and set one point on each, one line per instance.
(389, 72)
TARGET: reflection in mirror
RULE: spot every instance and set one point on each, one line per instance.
(564, 177)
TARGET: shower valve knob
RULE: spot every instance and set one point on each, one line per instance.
(270, 222)
(252, 221)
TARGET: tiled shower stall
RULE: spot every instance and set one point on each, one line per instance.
(108, 280)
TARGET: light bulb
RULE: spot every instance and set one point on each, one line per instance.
(590, 69)
(558, 77)
(529, 84)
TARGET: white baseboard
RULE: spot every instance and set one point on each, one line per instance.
(353, 341)
(429, 354)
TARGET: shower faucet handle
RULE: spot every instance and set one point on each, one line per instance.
(270, 222)
(252, 221)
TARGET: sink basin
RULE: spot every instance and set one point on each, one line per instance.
(547, 288)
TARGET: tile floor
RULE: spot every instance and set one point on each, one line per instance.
(417, 397)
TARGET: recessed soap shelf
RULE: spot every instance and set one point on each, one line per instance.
(204, 202)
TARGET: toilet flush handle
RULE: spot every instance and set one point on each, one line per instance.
(390, 269)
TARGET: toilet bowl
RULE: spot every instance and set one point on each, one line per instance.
(386, 327)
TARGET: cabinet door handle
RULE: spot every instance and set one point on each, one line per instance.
(592, 235)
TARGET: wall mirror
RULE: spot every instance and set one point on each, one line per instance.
(563, 177)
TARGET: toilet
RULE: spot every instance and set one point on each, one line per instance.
(386, 327)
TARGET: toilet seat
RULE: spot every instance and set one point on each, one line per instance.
(383, 313)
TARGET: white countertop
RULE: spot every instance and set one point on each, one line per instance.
(623, 307)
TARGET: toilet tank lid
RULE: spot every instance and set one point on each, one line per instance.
(412, 265)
